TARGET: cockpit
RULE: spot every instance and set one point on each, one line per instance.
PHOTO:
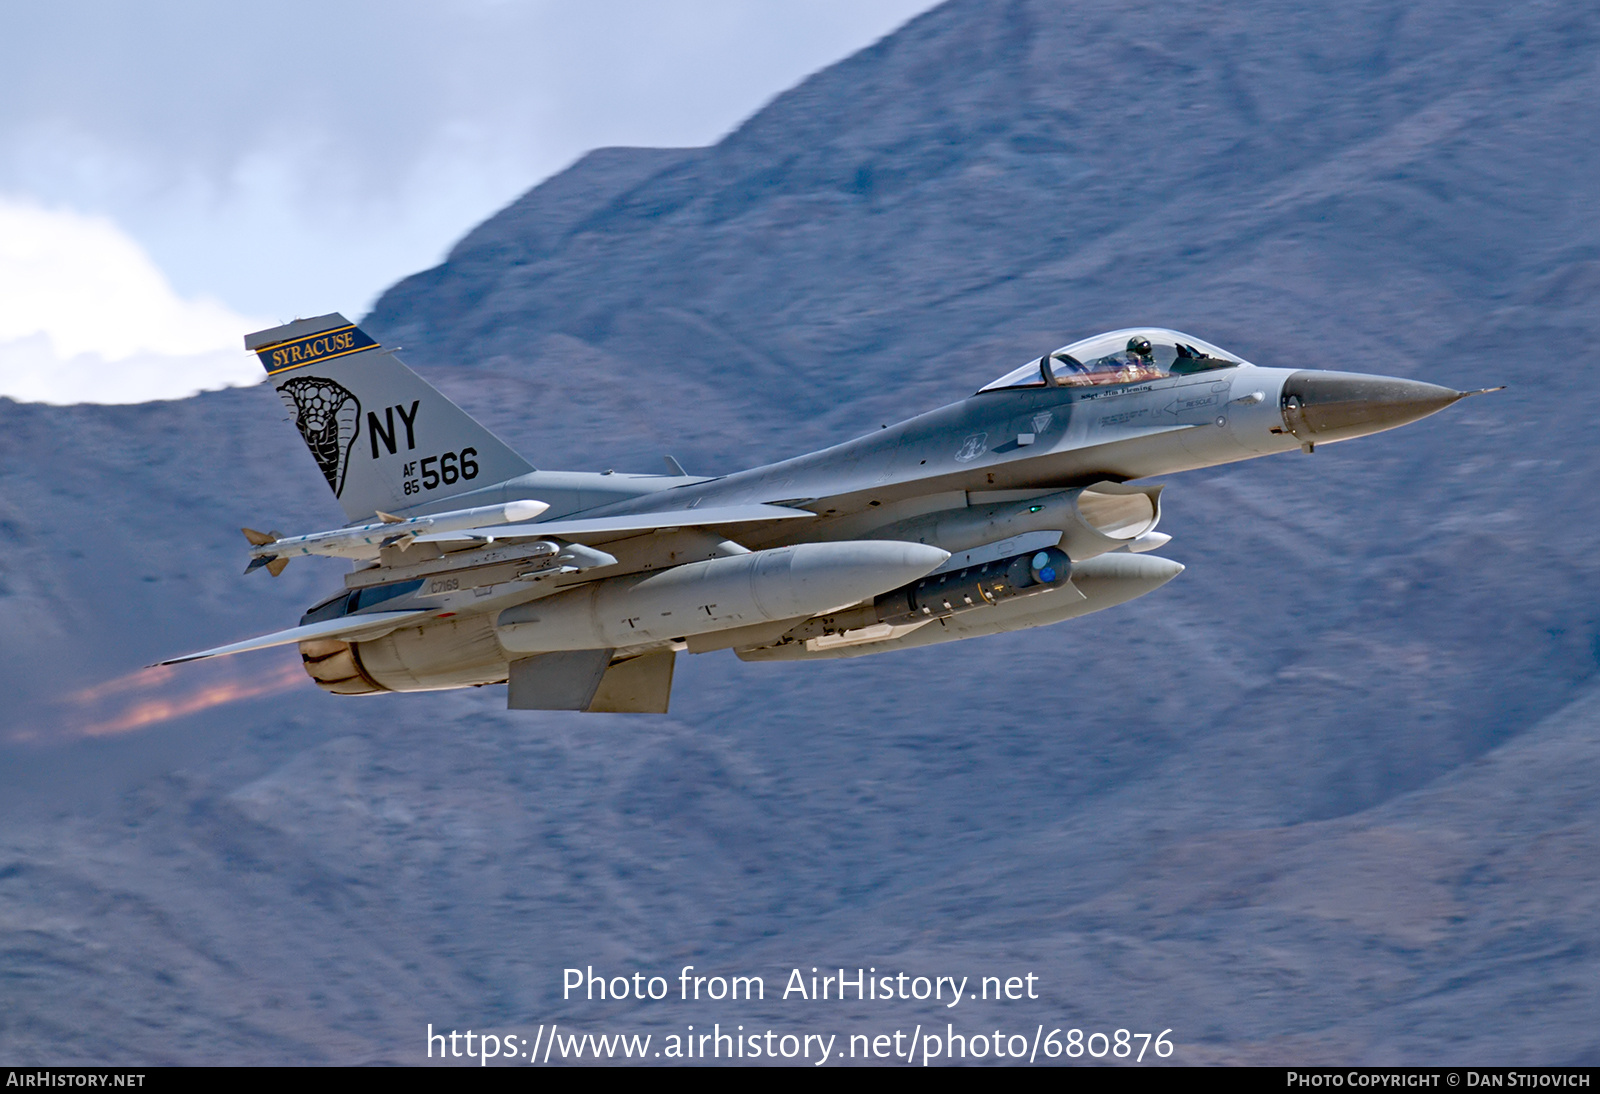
(1119, 357)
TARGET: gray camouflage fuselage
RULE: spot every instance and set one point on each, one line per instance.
(1017, 507)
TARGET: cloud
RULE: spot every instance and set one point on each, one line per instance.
(298, 158)
(86, 316)
(301, 156)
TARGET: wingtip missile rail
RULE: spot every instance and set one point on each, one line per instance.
(272, 551)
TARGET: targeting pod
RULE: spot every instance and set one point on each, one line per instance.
(958, 591)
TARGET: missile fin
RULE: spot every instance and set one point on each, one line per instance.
(275, 567)
(259, 539)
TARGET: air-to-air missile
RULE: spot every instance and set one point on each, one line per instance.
(1017, 507)
(365, 541)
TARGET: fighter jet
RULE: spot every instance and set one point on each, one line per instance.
(1023, 505)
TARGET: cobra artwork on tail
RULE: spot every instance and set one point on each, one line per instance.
(329, 418)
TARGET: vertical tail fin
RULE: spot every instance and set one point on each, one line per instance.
(382, 436)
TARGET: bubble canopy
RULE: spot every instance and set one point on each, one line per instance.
(1119, 357)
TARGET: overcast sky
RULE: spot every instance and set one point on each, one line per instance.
(175, 173)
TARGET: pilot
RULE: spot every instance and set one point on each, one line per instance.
(1138, 361)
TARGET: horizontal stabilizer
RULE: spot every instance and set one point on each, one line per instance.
(641, 522)
(350, 627)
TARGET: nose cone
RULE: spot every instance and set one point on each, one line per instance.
(1333, 406)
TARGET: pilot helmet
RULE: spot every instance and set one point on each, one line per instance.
(1139, 345)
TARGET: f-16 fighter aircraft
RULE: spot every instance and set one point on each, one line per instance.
(1020, 506)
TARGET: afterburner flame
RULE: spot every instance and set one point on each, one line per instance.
(148, 712)
(152, 696)
(143, 680)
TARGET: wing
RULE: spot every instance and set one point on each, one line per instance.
(610, 526)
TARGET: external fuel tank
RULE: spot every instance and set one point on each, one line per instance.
(718, 594)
